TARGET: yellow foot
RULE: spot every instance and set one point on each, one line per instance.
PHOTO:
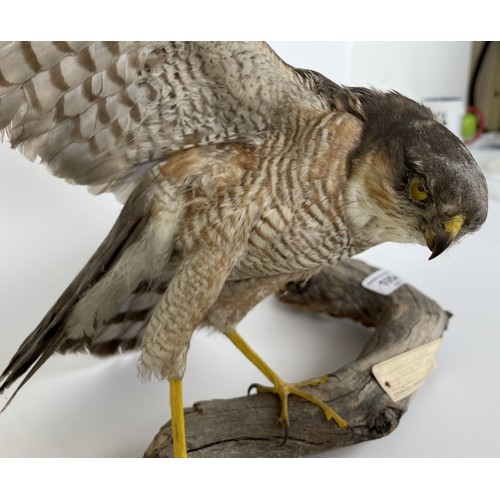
(283, 389)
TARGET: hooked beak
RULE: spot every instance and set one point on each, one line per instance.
(438, 242)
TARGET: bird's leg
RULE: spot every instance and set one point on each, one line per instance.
(235, 300)
(190, 294)
(282, 388)
(177, 419)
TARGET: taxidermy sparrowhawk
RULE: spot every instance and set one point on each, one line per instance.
(239, 174)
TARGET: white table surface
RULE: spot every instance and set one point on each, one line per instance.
(78, 406)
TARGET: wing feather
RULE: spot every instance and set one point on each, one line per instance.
(125, 329)
(51, 333)
(96, 112)
(103, 114)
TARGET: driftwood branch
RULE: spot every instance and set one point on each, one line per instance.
(247, 426)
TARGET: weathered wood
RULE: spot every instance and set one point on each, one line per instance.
(247, 426)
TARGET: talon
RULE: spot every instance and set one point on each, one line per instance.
(252, 386)
(285, 436)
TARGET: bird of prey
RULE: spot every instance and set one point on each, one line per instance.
(239, 173)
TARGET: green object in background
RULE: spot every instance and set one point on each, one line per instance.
(469, 126)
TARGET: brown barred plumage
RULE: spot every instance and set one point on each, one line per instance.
(240, 173)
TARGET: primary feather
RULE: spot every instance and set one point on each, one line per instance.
(95, 112)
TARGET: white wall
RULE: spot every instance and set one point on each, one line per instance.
(416, 69)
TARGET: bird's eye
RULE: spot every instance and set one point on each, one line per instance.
(417, 190)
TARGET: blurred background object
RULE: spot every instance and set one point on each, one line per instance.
(484, 87)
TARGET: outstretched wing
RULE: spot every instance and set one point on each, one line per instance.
(102, 113)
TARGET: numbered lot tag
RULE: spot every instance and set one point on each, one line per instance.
(382, 282)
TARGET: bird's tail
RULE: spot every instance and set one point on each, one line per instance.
(104, 279)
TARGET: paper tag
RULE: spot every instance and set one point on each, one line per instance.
(405, 373)
(382, 282)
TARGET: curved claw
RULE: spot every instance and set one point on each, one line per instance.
(283, 419)
(252, 386)
(285, 436)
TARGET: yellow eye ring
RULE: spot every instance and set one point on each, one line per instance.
(417, 191)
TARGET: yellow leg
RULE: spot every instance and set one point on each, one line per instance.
(282, 388)
(177, 409)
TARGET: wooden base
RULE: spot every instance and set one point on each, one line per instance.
(247, 426)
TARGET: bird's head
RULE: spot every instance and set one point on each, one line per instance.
(412, 179)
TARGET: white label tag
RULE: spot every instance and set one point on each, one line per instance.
(405, 373)
(382, 282)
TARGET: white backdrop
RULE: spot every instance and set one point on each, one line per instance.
(417, 69)
(80, 406)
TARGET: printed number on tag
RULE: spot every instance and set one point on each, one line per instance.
(382, 282)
